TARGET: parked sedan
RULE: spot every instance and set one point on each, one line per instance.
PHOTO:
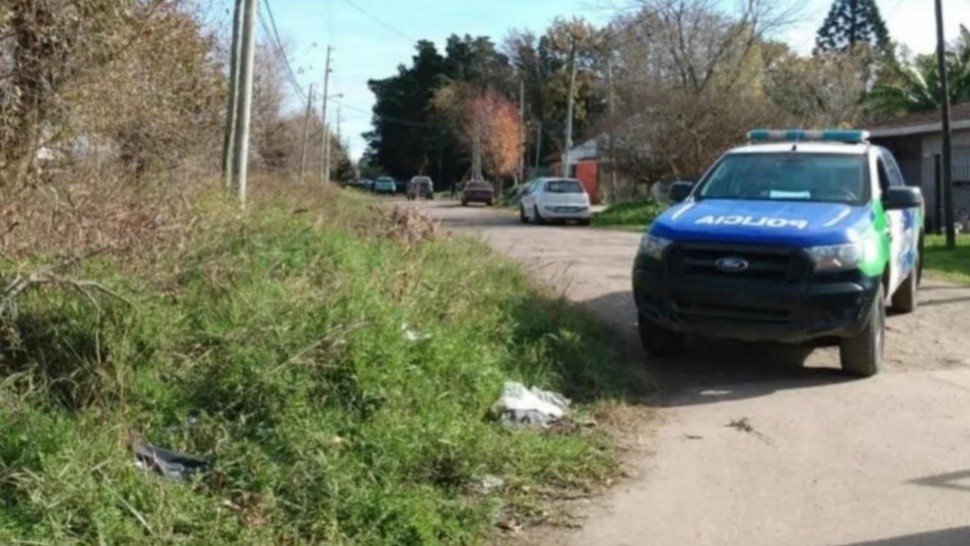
(478, 191)
(555, 200)
(385, 184)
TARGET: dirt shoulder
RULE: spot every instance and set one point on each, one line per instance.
(762, 445)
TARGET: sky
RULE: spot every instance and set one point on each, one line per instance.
(370, 38)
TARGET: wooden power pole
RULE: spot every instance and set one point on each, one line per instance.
(947, 150)
(306, 132)
(539, 145)
(235, 51)
(325, 166)
(612, 126)
(245, 100)
(569, 109)
(522, 136)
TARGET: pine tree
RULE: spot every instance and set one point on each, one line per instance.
(851, 22)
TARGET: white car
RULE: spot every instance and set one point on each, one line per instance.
(555, 200)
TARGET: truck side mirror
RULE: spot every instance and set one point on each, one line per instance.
(680, 191)
(906, 197)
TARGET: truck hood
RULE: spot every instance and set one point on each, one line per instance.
(783, 223)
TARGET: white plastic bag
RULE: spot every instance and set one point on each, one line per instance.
(521, 406)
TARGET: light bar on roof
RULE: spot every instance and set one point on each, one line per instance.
(798, 135)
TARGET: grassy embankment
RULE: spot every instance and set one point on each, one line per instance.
(273, 344)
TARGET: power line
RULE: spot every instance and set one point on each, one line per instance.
(275, 49)
(277, 45)
(274, 37)
(380, 21)
(388, 119)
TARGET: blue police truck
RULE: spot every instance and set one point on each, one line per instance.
(801, 237)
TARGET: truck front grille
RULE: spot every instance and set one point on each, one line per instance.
(770, 264)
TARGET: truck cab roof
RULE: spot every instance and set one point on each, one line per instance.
(805, 147)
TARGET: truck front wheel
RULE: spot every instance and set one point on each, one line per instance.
(862, 354)
(659, 341)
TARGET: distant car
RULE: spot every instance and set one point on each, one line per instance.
(478, 191)
(420, 186)
(555, 200)
(385, 184)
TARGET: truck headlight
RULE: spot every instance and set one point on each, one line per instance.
(653, 246)
(837, 257)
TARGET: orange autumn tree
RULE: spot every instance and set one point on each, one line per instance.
(487, 125)
(499, 120)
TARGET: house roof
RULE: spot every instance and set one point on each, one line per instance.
(585, 150)
(919, 123)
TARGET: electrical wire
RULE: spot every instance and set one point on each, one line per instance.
(273, 36)
(379, 21)
(388, 119)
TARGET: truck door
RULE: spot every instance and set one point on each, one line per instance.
(900, 225)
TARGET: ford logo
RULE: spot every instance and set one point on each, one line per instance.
(730, 264)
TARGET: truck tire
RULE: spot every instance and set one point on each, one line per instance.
(862, 354)
(657, 340)
(522, 217)
(904, 300)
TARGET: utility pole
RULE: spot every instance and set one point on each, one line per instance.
(522, 136)
(325, 165)
(539, 145)
(569, 109)
(244, 106)
(235, 52)
(947, 150)
(611, 135)
(339, 119)
(336, 137)
(306, 132)
(477, 148)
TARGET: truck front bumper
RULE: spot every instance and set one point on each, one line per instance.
(752, 310)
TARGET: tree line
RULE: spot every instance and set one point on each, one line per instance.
(666, 86)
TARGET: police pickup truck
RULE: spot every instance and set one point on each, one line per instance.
(800, 237)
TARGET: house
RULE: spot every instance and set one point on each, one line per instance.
(917, 142)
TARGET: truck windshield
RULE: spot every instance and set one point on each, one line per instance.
(829, 178)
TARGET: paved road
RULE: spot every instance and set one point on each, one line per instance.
(830, 460)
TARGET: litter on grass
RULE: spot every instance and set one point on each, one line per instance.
(171, 464)
(521, 406)
(413, 335)
(490, 482)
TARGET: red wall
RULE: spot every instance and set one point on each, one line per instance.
(587, 172)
